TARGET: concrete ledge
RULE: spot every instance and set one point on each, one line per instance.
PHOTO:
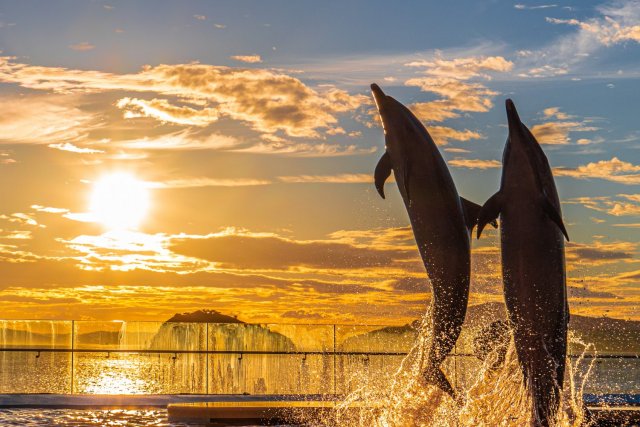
(115, 401)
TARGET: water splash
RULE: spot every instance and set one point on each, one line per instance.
(494, 396)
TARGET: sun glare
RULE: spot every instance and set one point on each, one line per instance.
(119, 201)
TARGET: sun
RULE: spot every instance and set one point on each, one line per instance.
(119, 201)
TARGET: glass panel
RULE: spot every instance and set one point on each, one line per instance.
(375, 339)
(139, 373)
(30, 372)
(35, 334)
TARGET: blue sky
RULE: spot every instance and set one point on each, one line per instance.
(251, 121)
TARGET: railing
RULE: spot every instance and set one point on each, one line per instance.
(167, 358)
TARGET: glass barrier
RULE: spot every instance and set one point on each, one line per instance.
(93, 357)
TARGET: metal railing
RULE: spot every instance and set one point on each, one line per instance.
(168, 358)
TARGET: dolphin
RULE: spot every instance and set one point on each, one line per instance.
(441, 220)
(533, 265)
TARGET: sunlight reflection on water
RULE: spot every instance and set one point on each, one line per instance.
(86, 417)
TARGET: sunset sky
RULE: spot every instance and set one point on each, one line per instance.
(162, 156)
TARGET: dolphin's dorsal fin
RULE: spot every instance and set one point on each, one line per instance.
(382, 172)
(489, 211)
(553, 214)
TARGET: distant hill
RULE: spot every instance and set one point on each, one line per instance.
(609, 335)
(204, 316)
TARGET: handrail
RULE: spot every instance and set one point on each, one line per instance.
(265, 352)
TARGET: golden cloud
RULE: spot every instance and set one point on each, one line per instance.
(267, 100)
(38, 119)
(443, 134)
(615, 170)
(303, 149)
(163, 111)
(557, 131)
(251, 59)
(450, 80)
(620, 205)
(475, 163)
(208, 182)
(607, 30)
(82, 47)
(345, 178)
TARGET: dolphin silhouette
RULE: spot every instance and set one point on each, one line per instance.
(441, 220)
(533, 265)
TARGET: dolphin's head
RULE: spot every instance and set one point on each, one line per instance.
(403, 131)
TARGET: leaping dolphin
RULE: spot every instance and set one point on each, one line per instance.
(533, 265)
(441, 220)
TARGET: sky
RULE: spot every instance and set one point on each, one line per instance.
(162, 156)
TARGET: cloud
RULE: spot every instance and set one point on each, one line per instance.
(450, 79)
(268, 101)
(614, 170)
(303, 149)
(475, 163)
(82, 47)
(521, 6)
(619, 205)
(43, 119)
(163, 111)
(345, 178)
(183, 140)
(250, 59)
(598, 253)
(442, 134)
(618, 24)
(208, 182)
(557, 131)
(243, 249)
(67, 146)
(200, 17)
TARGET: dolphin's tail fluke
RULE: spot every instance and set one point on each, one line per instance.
(543, 376)
(435, 376)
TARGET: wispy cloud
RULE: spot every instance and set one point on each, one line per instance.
(163, 111)
(619, 205)
(267, 101)
(208, 182)
(616, 22)
(475, 163)
(82, 47)
(620, 22)
(302, 149)
(183, 140)
(67, 146)
(330, 179)
(521, 6)
(615, 170)
(44, 119)
(251, 59)
(557, 129)
(451, 80)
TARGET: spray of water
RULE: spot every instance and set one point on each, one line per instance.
(495, 396)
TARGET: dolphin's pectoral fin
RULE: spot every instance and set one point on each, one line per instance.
(489, 212)
(553, 215)
(471, 211)
(382, 172)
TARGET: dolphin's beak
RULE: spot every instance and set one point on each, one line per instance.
(512, 117)
(378, 95)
